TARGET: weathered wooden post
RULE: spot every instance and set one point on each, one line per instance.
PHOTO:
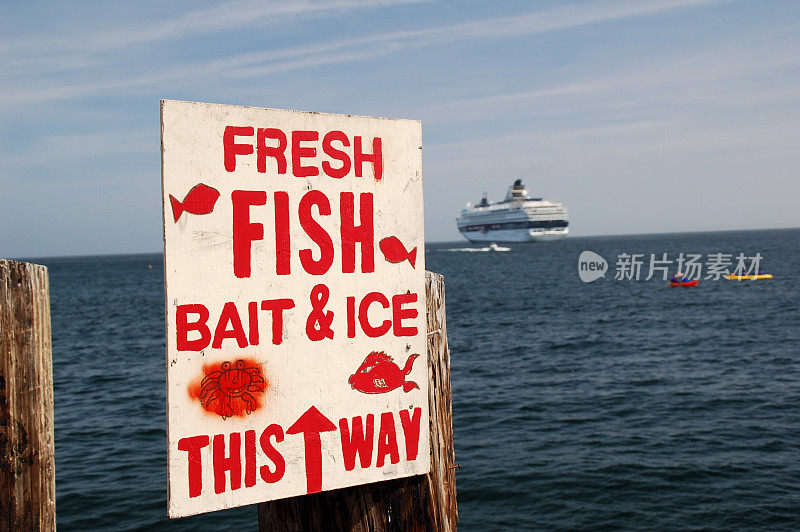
(415, 503)
(27, 471)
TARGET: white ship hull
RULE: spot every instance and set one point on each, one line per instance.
(515, 235)
(519, 218)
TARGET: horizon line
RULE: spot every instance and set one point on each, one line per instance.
(161, 252)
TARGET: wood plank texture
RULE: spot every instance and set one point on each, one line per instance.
(27, 453)
(424, 502)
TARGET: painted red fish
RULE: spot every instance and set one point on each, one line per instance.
(199, 200)
(379, 374)
(395, 251)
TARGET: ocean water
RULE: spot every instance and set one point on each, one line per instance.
(616, 404)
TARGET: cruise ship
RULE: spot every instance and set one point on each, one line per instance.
(518, 218)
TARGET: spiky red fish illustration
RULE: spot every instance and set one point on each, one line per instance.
(379, 374)
(199, 200)
(394, 251)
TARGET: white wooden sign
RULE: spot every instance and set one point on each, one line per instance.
(295, 303)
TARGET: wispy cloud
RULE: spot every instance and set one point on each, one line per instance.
(729, 74)
(344, 50)
(254, 65)
(238, 14)
(63, 150)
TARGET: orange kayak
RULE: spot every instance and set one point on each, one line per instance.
(687, 283)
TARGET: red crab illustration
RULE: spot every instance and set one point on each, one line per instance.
(379, 374)
(231, 387)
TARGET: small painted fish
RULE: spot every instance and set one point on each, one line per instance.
(395, 251)
(199, 200)
(379, 374)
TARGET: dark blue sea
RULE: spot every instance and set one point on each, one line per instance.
(616, 404)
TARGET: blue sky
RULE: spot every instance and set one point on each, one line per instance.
(645, 116)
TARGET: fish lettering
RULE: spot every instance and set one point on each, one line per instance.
(394, 251)
(199, 200)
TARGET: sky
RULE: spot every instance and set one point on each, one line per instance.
(641, 116)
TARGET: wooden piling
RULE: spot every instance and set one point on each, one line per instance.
(424, 503)
(27, 452)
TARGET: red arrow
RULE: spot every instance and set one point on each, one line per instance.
(311, 424)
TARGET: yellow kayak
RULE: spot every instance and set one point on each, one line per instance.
(748, 277)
